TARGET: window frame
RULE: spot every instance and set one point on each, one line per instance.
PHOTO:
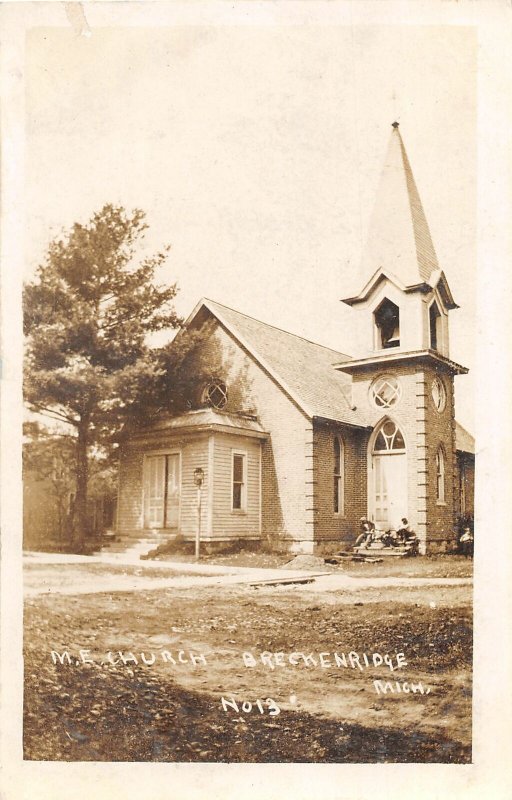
(389, 378)
(439, 405)
(339, 477)
(243, 492)
(440, 476)
(389, 439)
(211, 386)
(435, 331)
(382, 342)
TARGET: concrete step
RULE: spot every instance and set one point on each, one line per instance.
(132, 546)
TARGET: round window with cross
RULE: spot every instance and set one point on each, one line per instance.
(386, 391)
(216, 394)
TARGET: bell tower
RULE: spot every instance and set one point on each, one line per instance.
(402, 376)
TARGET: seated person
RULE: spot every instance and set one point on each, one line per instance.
(366, 533)
(407, 536)
(390, 538)
(467, 543)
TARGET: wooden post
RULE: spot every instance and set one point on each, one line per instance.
(198, 528)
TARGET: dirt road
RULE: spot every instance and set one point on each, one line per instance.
(103, 702)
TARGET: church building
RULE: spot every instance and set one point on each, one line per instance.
(291, 443)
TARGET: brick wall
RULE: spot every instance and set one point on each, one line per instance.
(440, 432)
(424, 429)
(334, 530)
(465, 483)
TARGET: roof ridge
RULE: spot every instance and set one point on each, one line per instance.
(277, 328)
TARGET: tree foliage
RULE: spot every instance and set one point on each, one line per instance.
(87, 319)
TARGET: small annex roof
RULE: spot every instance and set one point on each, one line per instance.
(464, 442)
(304, 370)
(207, 419)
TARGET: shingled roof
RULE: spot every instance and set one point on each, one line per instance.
(303, 369)
(463, 440)
(399, 241)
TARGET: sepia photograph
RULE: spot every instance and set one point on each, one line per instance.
(250, 311)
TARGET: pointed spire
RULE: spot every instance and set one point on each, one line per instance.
(399, 239)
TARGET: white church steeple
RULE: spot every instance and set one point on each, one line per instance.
(401, 294)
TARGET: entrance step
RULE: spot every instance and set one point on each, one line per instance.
(132, 546)
(377, 550)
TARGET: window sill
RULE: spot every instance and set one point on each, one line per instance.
(441, 503)
(239, 512)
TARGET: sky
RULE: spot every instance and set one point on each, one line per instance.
(256, 153)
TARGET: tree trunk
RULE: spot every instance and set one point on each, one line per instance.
(82, 475)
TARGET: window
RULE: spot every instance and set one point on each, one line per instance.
(434, 316)
(388, 438)
(239, 482)
(440, 472)
(215, 394)
(386, 391)
(438, 394)
(387, 322)
(162, 491)
(338, 476)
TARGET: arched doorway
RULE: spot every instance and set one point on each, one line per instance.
(388, 476)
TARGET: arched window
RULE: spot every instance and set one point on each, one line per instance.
(434, 316)
(388, 438)
(440, 475)
(387, 323)
(338, 504)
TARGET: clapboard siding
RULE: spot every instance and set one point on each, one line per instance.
(194, 453)
(225, 521)
(129, 507)
(286, 473)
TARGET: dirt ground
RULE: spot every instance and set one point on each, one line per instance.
(422, 566)
(311, 708)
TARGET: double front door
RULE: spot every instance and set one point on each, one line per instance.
(162, 491)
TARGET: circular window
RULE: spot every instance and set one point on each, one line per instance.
(438, 394)
(386, 391)
(216, 394)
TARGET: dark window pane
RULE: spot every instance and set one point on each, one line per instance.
(237, 495)
(337, 456)
(238, 468)
(398, 443)
(380, 443)
(336, 495)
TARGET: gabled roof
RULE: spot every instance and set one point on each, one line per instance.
(437, 281)
(463, 440)
(399, 240)
(304, 370)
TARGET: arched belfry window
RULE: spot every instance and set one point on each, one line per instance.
(338, 498)
(389, 438)
(434, 318)
(440, 475)
(387, 324)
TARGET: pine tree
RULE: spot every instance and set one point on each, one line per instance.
(87, 318)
